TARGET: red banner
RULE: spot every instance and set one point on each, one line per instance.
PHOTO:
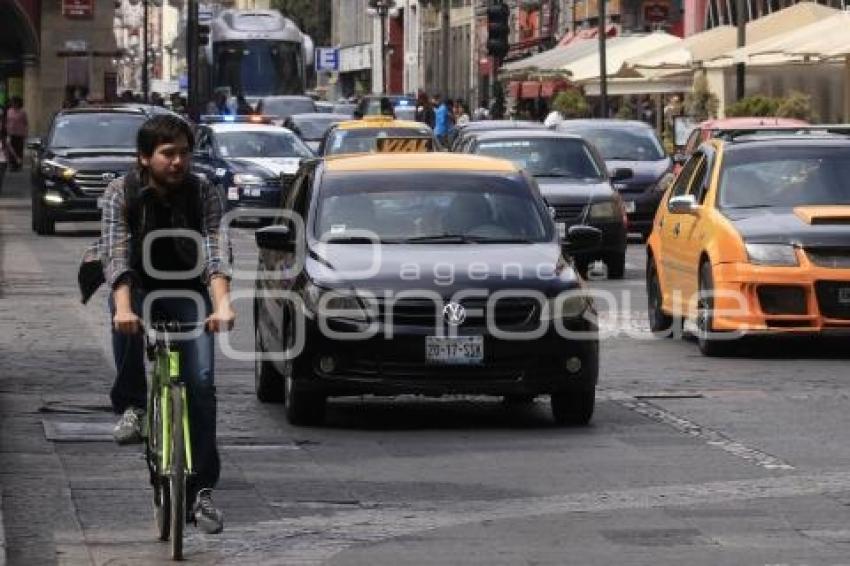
(78, 8)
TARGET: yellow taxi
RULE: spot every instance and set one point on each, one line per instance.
(360, 136)
(753, 237)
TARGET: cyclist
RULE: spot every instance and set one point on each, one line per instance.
(160, 193)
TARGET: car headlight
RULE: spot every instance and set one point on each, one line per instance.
(772, 254)
(607, 209)
(570, 304)
(664, 182)
(334, 304)
(247, 179)
(54, 170)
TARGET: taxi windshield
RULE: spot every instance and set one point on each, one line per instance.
(785, 177)
(406, 207)
(546, 157)
(362, 140)
(261, 144)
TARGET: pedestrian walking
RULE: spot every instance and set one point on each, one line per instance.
(6, 155)
(424, 109)
(441, 120)
(17, 127)
(461, 113)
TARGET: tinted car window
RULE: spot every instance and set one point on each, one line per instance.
(626, 144)
(313, 128)
(261, 144)
(784, 177)
(397, 207)
(96, 130)
(546, 157)
(362, 140)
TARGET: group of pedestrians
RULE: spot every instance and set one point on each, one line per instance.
(14, 127)
(441, 114)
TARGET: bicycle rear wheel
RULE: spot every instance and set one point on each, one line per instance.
(177, 487)
(161, 496)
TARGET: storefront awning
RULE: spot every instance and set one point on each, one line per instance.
(617, 51)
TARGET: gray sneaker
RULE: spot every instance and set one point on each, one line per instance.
(128, 429)
(207, 517)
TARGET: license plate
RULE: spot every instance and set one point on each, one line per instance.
(562, 229)
(456, 350)
(254, 192)
(844, 295)
(630, 206)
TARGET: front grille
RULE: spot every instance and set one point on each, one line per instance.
(782, 299)
(834, 258)
(424, 312)
(93, 183)
(567, 212)
(833, 298)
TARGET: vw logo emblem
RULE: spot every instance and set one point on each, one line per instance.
(454, 314)
(108, 176)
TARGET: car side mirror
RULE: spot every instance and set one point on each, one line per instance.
(581, 237)
(683, 204)
(621, 174)
(278, 237)
(679, 158)
(34, 144)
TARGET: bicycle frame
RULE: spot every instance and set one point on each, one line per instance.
(166, 373)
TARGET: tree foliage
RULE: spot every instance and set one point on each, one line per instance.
(755, 105)
(571, 104)
(701, 103)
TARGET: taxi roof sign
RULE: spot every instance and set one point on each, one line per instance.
(404, 144)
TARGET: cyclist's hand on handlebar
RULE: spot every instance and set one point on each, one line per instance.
(221, 320)
(127, 322)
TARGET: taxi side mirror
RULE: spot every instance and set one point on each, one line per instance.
(683, 204)
(581, 237)
(278, 237)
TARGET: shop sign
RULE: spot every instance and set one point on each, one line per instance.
(78, 8)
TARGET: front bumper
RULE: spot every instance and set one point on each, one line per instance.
(397, 365)
(72, 208)
(825, 307)
(247, 197)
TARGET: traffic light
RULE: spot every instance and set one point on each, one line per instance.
(203, 34)
(498, 30)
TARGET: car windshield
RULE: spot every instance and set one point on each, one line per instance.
(79, 131)
(546, 157)
(344, 109)
(314, 128)
(261, 144)
(785, 177)
(286, 107)
(362, 140)
(624, 144)
(411, 207)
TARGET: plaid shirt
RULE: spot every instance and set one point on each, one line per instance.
(114, 244)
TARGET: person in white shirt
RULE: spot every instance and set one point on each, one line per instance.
(553, 119)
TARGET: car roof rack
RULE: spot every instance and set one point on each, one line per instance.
(761, 132)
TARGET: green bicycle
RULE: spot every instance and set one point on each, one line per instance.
(168, 448)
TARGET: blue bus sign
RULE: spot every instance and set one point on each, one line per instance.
(327, 59)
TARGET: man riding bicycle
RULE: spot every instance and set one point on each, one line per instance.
(190, 274)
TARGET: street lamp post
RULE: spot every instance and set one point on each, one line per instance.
(382, 10)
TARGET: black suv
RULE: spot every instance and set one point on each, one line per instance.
(85, 149)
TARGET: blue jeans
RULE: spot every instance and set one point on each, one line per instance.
(197, 356)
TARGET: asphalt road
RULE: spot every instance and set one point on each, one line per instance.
(688, 460)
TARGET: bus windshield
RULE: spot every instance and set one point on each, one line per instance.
(259, 67)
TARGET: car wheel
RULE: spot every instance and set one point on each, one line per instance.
(710, 344)
(574, 408)
(616, 263)
(660, 323)
(268, 382)
(302, 408)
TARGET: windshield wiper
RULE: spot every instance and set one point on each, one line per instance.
(748, 206)
(441, 238)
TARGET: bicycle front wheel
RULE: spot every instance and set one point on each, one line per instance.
(161, 496)
(177, 487)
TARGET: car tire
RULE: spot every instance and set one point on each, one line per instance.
(43, 223)
(708, 345)
(268, 382)
(574, 408)
(616, 263)
(660, 323)
(302, 408)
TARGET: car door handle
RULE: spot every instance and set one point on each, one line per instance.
(676, 229)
